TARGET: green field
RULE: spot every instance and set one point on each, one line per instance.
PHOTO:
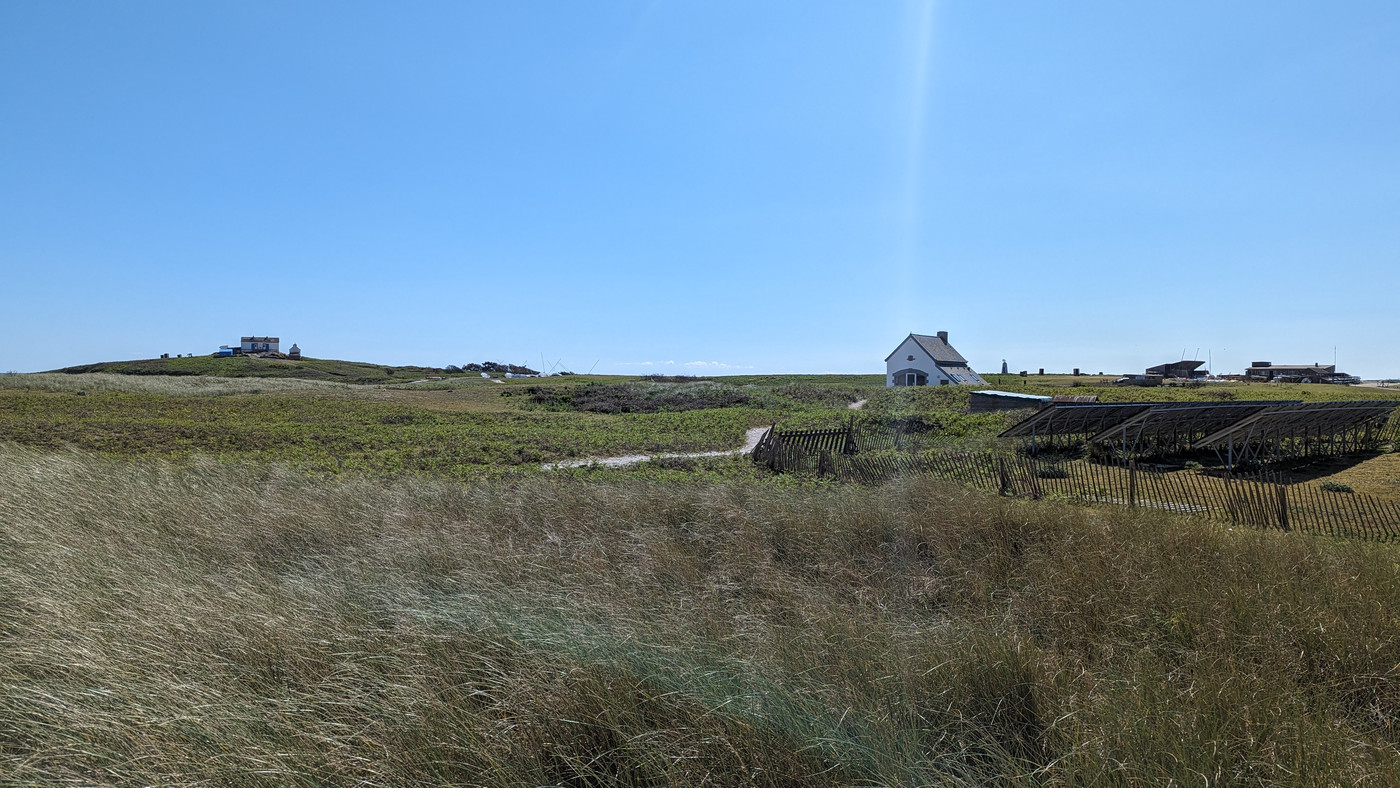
(465, 425)
(456, 427)
(283, 580)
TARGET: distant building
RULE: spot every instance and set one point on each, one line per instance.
(922, 360)
(260, 345)
(295, 352)
(1139, 380)
(1297, 373)
(1189, 370)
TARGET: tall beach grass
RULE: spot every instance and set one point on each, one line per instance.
(209, 623)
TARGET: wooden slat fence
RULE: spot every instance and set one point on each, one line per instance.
(1258, 500)
(788, 451)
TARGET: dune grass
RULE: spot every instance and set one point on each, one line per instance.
(162, 385)
(210, 623)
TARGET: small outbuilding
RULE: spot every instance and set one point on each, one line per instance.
(923, 360)
(987, 401)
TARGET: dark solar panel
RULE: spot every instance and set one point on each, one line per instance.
(1251, 431)
(1302, 419)
(1095, 419)
(1062, 418)
(1187, 418)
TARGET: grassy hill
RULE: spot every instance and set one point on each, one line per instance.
(245, 366)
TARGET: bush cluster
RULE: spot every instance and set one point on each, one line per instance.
(496, 367)
(637, 397)
(816, 394)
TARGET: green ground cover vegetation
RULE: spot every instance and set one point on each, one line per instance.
(215, 580)
(465, 425)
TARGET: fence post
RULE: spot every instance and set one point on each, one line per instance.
(1132, 483)
(1282, 506)
(1003, 477)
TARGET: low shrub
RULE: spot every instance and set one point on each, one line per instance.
(642, 397)
(675, 379)
(815, 394)
(674, 463)
(1337, 487)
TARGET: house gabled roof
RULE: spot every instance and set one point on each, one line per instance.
(940, 351)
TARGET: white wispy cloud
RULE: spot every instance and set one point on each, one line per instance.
(716, 365)
(691, 364)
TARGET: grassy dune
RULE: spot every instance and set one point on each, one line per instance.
(162, 385)
(242, 624)
(248, 366)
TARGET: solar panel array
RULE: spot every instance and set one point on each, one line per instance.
(1063, 418)
(1246, 431)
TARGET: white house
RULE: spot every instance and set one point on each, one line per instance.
(922, 360)
(260, 344)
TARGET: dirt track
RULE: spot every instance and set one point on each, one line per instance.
(750, 441)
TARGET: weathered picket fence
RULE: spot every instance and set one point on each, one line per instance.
(1257, 500)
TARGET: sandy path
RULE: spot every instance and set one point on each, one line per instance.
(858, 404)
(751, 438)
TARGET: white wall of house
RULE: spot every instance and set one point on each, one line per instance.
(901, 360)
(259, 347)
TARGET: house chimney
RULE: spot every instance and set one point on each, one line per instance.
(943, 337)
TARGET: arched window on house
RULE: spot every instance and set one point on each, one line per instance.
(911, 377)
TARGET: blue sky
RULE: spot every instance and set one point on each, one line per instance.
(703, 187)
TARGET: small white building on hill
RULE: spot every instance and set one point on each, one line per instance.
(922, 360)
(260, 344)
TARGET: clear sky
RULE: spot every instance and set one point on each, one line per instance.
(702, 187)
